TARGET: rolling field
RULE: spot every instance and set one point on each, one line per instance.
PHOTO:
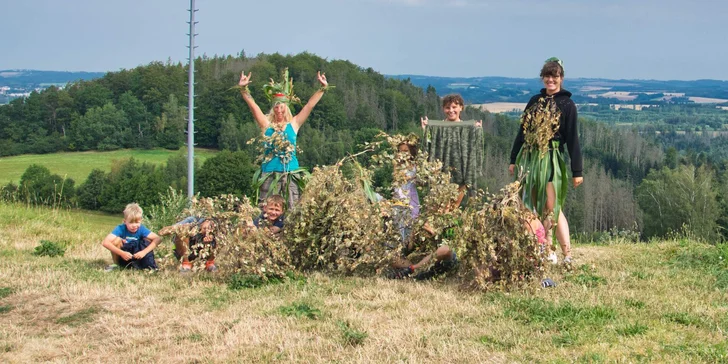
(78, 165)
(623, 302)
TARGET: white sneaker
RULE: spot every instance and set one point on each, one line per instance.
(567, 260)
(553, 258)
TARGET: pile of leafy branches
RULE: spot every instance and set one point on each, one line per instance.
(335, 228)
(240, 248)
(495, 243)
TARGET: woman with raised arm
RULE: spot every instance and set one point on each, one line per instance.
(547, 124)
(280, 172)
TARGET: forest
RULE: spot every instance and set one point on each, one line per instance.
(637, 183)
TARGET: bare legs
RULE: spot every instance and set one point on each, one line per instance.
(562, 227)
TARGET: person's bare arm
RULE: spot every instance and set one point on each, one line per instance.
(258, 115)
(112, 242)
(154, 240)
(301, 117)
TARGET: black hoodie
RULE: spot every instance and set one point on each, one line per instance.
(567, 133)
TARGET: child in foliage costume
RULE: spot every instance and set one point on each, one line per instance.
(457, 143)
(547, 124)
(280, 172)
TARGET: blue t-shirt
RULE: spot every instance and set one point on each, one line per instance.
(129, 237)
(276, 164)
(134, 243)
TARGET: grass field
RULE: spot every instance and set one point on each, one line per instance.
(78, 165)
(656, 302)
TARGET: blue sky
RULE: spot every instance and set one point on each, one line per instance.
(619, 39)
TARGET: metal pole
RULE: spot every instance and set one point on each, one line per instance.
(191, 105)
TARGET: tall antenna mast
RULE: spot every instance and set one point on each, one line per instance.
(191, 105)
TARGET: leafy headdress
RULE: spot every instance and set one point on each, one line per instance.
(557, 60)
(281, 92)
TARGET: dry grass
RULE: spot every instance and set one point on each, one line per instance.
(623, 302)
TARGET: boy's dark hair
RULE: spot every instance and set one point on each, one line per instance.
(276, 199)
(453, 98)
(552, 69)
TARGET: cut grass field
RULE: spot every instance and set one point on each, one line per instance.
(78, 165)
(661, 302)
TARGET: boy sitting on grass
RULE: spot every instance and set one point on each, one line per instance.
(131, 244)
(272, 216)
(187, 248)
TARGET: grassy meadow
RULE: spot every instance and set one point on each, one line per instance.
(651, 302)
(78, 165)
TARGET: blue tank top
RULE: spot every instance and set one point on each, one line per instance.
(276, 164)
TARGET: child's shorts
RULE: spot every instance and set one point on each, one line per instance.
(147, 262)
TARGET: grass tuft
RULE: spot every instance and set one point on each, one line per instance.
(81, 317)
(586, 277)
(49, 248)
(632, 330)
(684, 318)
(634, 303)
(558, 315)
(350, 335)
(495, 343)
(239, 281)
(6, 291)
(300, 309)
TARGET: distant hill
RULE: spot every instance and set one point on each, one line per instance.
(20, 83)
(36, 78)
(479, 90)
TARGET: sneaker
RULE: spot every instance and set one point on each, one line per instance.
(185, 267)
(111, 268)
(567, 260)
(399, 273)
(210, 266)
(553, 258)
(546, 283)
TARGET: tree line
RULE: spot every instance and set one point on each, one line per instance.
(145, 107)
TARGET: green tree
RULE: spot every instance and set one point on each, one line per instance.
(99, 129)
(170, 126)
(90, 191)
(673, 198)
(226, 172)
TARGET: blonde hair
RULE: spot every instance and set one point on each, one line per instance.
(133, 212)
(277, 200)
(286, 114)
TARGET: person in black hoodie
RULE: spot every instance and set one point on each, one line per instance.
(547, 125)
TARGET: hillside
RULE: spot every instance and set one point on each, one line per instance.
(78, 165)
(661, 301)
(478, 90)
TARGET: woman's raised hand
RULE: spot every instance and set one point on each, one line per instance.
(423, 122)
(244, 80)
(322, 79)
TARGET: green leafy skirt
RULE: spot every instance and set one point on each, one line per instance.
(536, 170)
(287, 184)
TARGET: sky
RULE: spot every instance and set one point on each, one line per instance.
(616, 39)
